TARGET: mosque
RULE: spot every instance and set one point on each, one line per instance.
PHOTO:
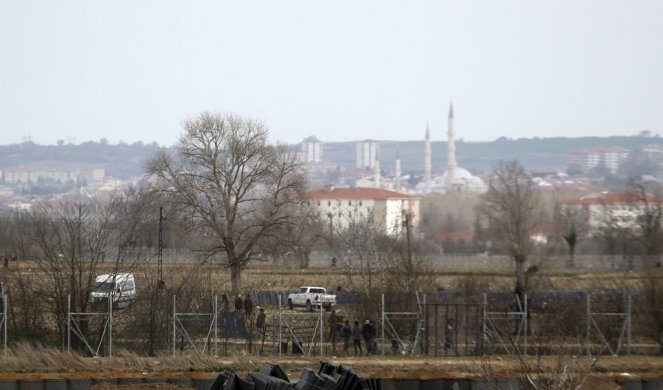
(455, 178)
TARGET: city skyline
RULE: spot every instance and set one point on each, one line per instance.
(341, 71)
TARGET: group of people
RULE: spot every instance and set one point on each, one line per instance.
(355, 332)
(241, 305)
(246, 306)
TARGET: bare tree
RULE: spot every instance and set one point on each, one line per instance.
(366, 248)
(70, 240)
(616, 233)
(298, 237)
(134, 223)
(569, 221)
(406, 271)
(511, 206)
(649, 222)
(232, 183)
(648, 232)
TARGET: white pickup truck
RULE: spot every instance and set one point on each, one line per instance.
(311, 297)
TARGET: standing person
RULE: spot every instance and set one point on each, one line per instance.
(225, 305)
(260, 325)
(248, 306)
(367, 333)
(374, 338)
(449, 330)
(238, 303)
(356, 338)
(333, 329)
(260, 321)
(346, 332)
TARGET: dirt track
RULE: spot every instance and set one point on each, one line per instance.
(396, 368)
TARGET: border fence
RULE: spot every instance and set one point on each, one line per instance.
(496, 323)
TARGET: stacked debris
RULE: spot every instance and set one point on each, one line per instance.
(272, 377)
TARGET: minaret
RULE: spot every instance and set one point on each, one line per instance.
(451, 150)
(427, 157)
(397, 170)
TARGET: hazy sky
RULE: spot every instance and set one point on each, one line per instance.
(339, 70)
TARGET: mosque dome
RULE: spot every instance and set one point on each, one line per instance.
(464, 182)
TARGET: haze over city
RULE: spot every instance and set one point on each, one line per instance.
(344, 70)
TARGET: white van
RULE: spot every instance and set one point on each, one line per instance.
(122, 288)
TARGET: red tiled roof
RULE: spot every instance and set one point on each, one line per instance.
(356, 193)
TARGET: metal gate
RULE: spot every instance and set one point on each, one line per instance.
(452, 329)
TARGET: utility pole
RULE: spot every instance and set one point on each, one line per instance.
(406, 221)
(161, 283)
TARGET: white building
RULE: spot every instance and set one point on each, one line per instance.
(342, 206)
(24, 175)
(367, 153)
(653, 153)
(312, 150)
(617, 210)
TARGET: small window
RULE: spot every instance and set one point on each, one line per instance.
(360, 202)
(329, 203)
(318, 203)
(349, 203)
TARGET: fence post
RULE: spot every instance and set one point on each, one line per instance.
(280, 328)
(68, 322)
(483, 324)
(526, 316)
(4, 318)
(216, 328)
(382, 324)
(589, 319)
(110, 322)
(628, 325)
(174, 326)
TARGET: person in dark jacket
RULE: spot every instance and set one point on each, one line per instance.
(225, 305)
(356, 338)
(260, 321)
(248, 307)
(346, 332)
(368, 331)
(238, 303)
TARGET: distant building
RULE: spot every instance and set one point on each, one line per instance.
(617, 210)
(653, 153)
(609, 157)
(342, 206)
(367, 154)
(22, 175)
(312, 150)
